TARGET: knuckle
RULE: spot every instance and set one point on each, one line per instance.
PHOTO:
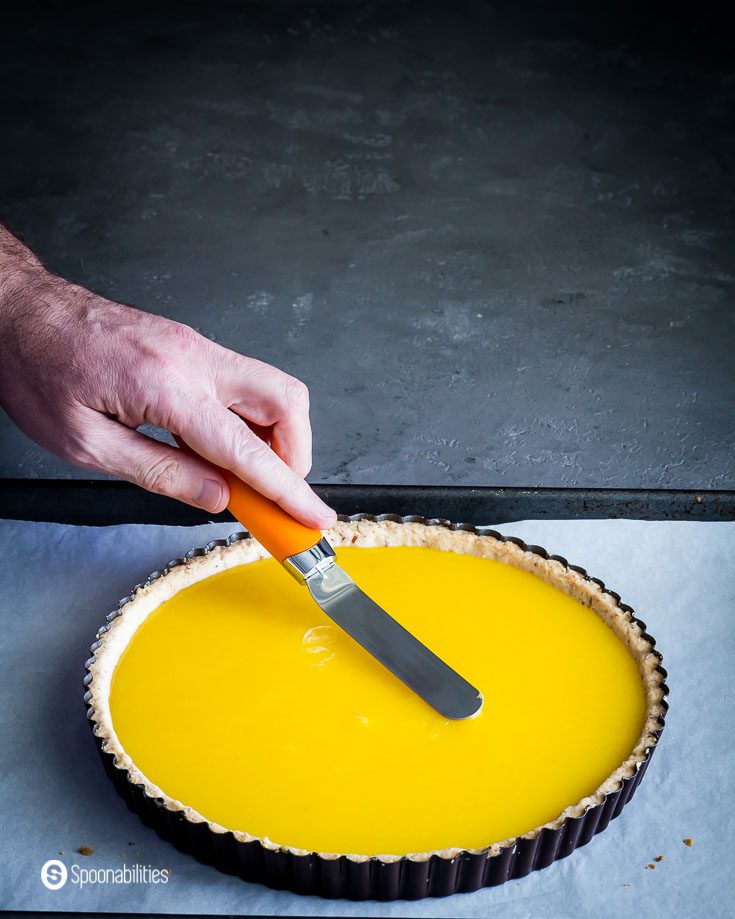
(253, 456)
(296, 394)
(184, 334)
(161, 476)
(248, 449)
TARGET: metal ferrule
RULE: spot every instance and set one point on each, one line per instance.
(315, 560)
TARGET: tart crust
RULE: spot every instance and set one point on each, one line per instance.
(386, 530)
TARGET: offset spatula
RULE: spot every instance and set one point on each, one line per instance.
(307, 555)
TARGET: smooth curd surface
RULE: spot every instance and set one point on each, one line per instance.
(240, 698)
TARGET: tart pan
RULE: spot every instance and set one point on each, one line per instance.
(413, 876)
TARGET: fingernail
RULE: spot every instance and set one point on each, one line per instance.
(209, 495)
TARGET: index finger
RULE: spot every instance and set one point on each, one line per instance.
(220, 436)
(269, 397)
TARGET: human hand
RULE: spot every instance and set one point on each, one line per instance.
(78, 374)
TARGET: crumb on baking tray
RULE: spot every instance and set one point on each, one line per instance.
(651, 866)
(659, 858)
(688, 841)
(85, 850)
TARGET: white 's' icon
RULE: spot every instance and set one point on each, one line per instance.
(53, 874)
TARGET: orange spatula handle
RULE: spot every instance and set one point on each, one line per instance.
(274, 528)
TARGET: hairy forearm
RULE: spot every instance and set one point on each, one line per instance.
(18, 267)
(28, 293)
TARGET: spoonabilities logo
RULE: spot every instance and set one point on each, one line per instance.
(53, 874)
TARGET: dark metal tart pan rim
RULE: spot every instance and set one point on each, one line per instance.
(375, 878)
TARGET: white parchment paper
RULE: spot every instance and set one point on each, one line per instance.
(60, 581)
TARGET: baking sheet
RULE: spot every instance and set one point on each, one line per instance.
(60, 581)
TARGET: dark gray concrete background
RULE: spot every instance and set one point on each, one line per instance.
(495, 240)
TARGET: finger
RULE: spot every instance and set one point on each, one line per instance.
(269, 397)
(155, 466)
(289, 438)
(221, 437)
(281, 441)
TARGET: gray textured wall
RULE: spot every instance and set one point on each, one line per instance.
(496, 241)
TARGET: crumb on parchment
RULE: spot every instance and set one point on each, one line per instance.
(85, 850)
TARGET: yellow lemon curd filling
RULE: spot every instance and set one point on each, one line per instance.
(240, 698)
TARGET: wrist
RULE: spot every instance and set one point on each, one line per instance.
(17, 278)
(26, 302)
(20, 270)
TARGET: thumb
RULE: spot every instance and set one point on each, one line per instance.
(155, 466)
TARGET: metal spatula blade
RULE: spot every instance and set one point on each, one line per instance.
(393, 645)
